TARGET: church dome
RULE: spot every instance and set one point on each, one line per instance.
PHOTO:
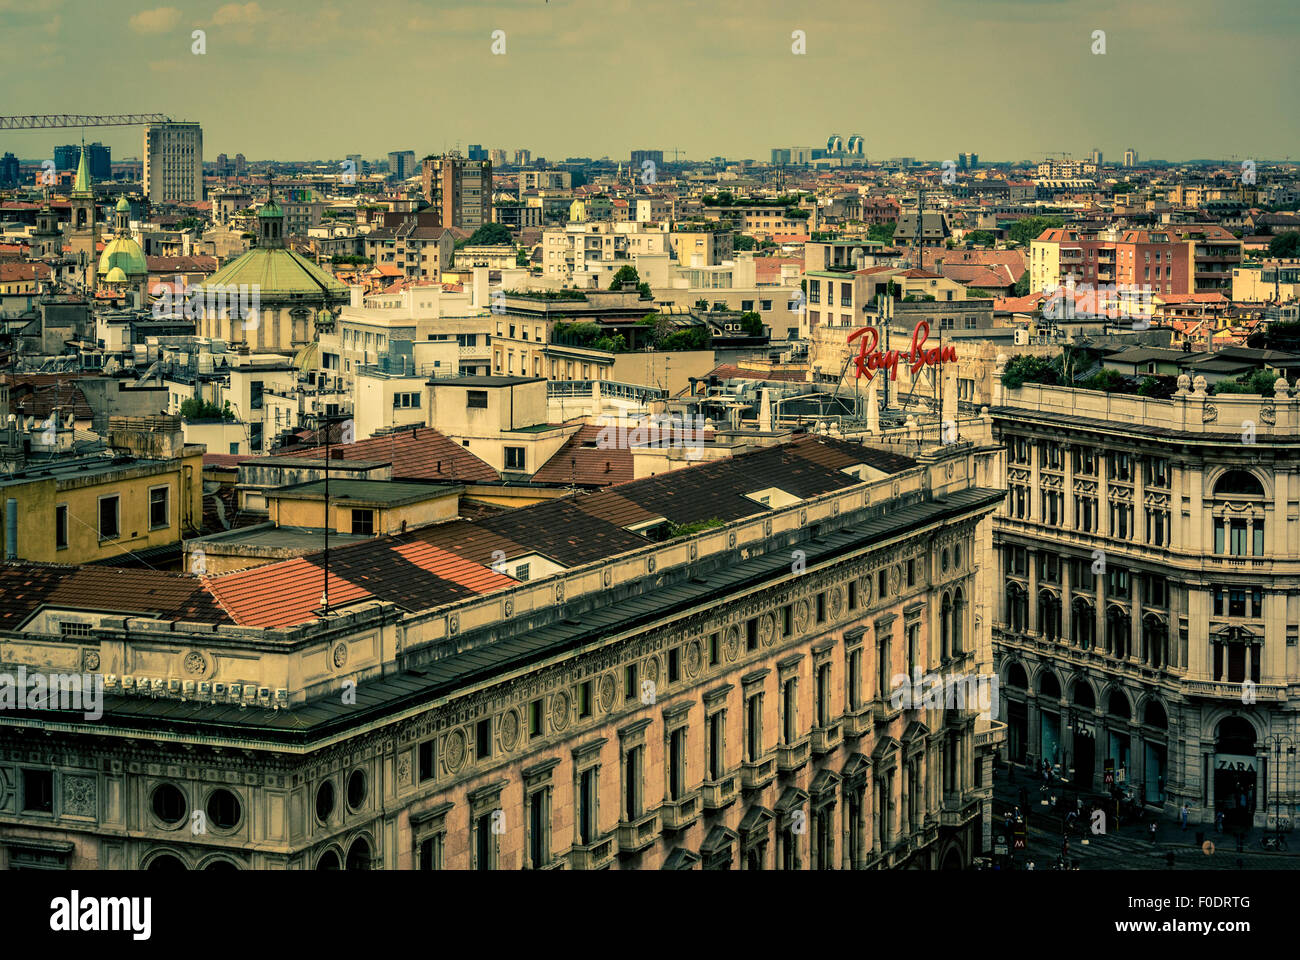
(123, 253)
(123, 206)
(270, 211)
(115, 276)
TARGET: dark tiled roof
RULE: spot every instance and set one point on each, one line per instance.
(421, 454)
(587, 465)
(26, 587)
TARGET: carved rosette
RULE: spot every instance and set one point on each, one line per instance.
(731, 539)
(607, 687)
(453, 624)
(1209, 413)
(194, 664)
(509, 729)
(767, 528)
(732, 647)
(895, 578)
(837, 602)
(801, 616)
(693, 658)
(559, 591)
(340, 656)
(404, 769)
(608, 578)
(803, 517)
(454, 750)
(560, 710)
(79, 796)
(864, 589)
(90, 660)
(650, 564)
(766, 629)
(1269, 415)
(692, 550)
(510, 606)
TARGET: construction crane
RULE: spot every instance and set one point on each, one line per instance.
(47, 121)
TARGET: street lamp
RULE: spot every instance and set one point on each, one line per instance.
(1277, 741)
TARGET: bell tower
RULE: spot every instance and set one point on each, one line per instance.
(84, 229)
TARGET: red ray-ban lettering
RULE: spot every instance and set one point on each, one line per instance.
(869, 358)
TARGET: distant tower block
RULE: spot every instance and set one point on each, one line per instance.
(834, 144)
(856, 145)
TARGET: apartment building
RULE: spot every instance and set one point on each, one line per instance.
(1182, 259)
(1145, 632)
(545, 180)
(416, 243)
(460, 191)
(696, 703)
(1265, 281)
(173, 163)
(104, 507)
(588, 254)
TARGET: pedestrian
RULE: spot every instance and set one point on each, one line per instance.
(1031, 865)
(1153, 831)
(1186, 811)
(1218, 822)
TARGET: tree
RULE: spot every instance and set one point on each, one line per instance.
(1028, 368)
(615, 344)
(981, 238)
(1028, 228)
(1278, 335)
(742, 242)
(1285, 245)
(628, 274)
(882, 232)
(753, 324)
(490, 235)
(1022, 285)
(196, 408)
(1258, 382)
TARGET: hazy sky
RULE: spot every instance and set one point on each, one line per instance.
(1007, 79)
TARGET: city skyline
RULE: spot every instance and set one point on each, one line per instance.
(259, 55)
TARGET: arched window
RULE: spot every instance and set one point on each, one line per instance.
(958, 622)
(1117, 705)
(1017, 608)
(1083, 626)
(1117, 632)
(1237, 483)
(1155, 641)
(945, 626)
(1016, 677)
(1049, 615)
(1155, 716)
(1083, 697)
(1048, 686)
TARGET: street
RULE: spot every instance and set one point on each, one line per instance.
(1128, 847)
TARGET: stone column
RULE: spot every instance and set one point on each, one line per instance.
(1177, 480)
(1135, 617)
(1068, 520)
(1275, 528)
(1100, 611)
(1103, 496)
(1033, 591)
(1139, 500)
(1067, 600)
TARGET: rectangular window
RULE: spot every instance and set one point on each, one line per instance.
(715, 649)
(539, 829)
(483, 739)
(584, 700)
(363, 522)
(514, 458)
(632, 768)
(108, 518)
(855, 679)
(477, 399)
(38, 791)
(787, 620)
(255, 394)
(677, 764)
(522, 572)
(911, 573)
(754, 727)
(714, 733)
(159, 503)
(630, 689)
(535, 718)
(789, 712)
(674, 665)
(587, 806)
(61, 527)
(751, 635)
(821, 607)
(1259, 538)
(882, 584)
(824, 695)
(853, 594)
(484, 843)
(426, 760)
(431, 852)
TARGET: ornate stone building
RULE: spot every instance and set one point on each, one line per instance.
(717, 699)
(1150, 557)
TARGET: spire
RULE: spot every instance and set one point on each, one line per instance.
(82, 183)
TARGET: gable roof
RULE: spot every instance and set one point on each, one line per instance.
(419, 454)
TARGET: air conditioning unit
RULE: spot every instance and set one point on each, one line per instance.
(235, 691)
(1022, 337)
(205, 688)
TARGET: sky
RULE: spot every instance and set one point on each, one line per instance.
(1006, 79)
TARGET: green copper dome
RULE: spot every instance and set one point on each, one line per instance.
(115, 276)
(270, 210)
(123, 206)
(278, 274)
(123, 253)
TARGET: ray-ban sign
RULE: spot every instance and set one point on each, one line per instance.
(869, 358)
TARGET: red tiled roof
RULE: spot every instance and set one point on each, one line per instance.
(279, 594)
(729, 371)
(13, 272)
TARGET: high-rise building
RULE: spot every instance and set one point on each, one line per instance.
(639, 157)
(8, 170)
(476, 152)
(1096, 156)
(498, 158)
(98, 157)
(523, 157)
(241, 165)
(401, 164)
(173, 162)
(1130, 157)
(459, 189)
